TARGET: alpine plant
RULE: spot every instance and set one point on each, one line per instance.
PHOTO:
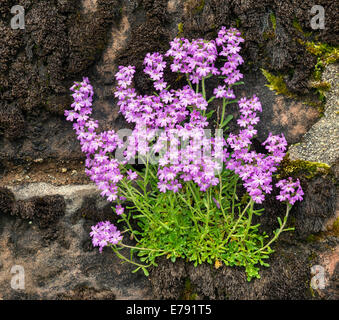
(185, 191)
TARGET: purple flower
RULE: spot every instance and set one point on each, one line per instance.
(119, 209)
(290, 191)
(104, 234)
(132, 175)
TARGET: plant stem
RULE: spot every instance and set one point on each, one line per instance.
(139, 248)
(203, 88)
(129, 226)
(188, 81)
(223, 111)
(139, 206)
(249, 221)
(128, 260)
(240, 216)
(281, 229)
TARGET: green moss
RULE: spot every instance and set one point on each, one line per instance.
(313, 238)
(180, 29)
(302, 168)
(188, 293)
(335, 227)
(237, 23)
(195, 6)
(321, 85)
(277, 84)
(200, 6)
(325, 54)
(268, 35)
(273, 21)
(297, 26)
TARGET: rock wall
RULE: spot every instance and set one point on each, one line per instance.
(47, 204)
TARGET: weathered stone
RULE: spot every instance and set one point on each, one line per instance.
(58, 258)
(44, 227)
(321, 142)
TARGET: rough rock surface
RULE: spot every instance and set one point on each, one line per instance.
(58, 258)
(65, 40)
(46, 202)
(288, 277)
(321, 142)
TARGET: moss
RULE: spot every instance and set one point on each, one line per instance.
(237, 23)
(325, 54)
(188, 293)
(313, 238)
(302, 168)
(297, 26)
(277, 84)
(195, 6)
(200, 7)
(180, 29)
(335, 228)
(273, 21)
(268, 35)
(321, 85)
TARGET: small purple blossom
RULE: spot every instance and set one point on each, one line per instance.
(104, 234)
(119, 209)
(132, 175)
(289, 191)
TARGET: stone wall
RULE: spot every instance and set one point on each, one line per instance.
(47, 204)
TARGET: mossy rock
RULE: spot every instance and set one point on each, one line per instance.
(302, 169)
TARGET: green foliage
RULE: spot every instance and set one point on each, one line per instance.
(211, 227)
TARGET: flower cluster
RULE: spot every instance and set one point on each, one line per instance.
(177, 118)
(178, 114)
(197, 58)
(230, 40)
(289, 191)
(104, 234)
(102, 169)
(255, 169)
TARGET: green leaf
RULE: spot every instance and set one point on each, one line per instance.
(208, 115)
(279, 220)
(232, 101)
(135, 270)
(227, 120)
(238, 83)
(145, 272)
